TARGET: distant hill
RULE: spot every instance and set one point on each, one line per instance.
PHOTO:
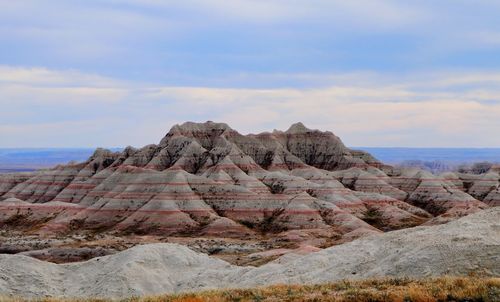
(30, 159)
(451, 156)
(436, 159)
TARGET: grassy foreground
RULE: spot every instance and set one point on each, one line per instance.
(459, 289)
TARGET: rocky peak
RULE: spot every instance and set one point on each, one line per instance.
(205, 133)
(209, 127)
(298, 128)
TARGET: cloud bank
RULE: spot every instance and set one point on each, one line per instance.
(376, 72)
(68, 108)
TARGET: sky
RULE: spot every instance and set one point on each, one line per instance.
(377, 73)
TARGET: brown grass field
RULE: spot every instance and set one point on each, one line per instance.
(459, 289)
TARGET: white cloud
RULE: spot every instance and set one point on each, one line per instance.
(373, 13)
(484, 38)
(41, 86)
(368, 120)
(59, 95)
(375, 112)
(44, 76)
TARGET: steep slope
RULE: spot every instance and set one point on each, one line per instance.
(208, 179)
(468, 245)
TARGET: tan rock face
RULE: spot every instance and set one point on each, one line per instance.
(206, 179)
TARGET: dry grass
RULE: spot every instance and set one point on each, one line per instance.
(459, 289)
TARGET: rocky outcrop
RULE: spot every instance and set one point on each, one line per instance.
(469, 245)
(206, 179)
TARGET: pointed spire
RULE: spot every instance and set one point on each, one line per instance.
(297, 128)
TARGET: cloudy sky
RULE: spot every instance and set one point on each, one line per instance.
(375, 72)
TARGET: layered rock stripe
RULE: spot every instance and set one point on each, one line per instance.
(206, 178)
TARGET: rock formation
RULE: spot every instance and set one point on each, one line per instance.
(206, 179)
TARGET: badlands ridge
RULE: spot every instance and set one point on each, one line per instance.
(287, 207)
(209, 180)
